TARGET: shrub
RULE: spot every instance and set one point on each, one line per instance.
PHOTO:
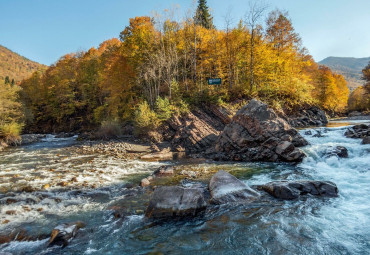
(109, 129)
(163, 109)
(145, 118)
(10, 132)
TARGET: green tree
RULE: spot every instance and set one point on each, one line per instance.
(7, 80)
(202, 15)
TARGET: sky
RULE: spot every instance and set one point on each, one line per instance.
(45, 30)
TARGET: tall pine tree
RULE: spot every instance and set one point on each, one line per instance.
(202, 15)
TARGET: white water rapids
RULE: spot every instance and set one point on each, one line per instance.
(94, 182)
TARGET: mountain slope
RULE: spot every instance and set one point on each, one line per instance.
(350, 68)
(15, 66)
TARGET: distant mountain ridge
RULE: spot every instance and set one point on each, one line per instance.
(350, 68)
(15, 66)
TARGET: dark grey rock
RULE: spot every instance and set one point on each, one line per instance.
(308, 132)
(366, 140)
(175, 201)
(313, 116)
(226, 188)
(63, 233)
(257, 133)
(288, 190)
(338, 151)
(358, 131)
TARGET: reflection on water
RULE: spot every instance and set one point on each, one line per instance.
(309, 226)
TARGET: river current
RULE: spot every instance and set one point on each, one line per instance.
(45, 184)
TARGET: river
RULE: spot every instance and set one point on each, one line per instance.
(46, 183)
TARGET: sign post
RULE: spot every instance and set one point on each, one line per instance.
(214, 81)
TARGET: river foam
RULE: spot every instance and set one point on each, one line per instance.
(307, 226)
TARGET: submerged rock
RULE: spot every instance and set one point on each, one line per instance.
(164, 171)
(226, 188)
(62, 234)
(175, 201)
(318, 134)
(338, 151)
(288, 190)
(257, 133)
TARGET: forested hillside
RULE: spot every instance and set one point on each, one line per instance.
(159, 67)
(359, 99)
(15, 67)
(350, 68)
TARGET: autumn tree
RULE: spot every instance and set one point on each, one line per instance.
(366, 77)
(359, 99)
(159, 67)
(253, 17)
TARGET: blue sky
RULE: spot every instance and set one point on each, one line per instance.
(44, 30)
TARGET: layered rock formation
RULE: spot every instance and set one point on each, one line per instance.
(257, 133)
(197, 130)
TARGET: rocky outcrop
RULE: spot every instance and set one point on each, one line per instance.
(358, 131)
(196, 131)
(288, 190)
(175, 201)
(257, 133)
(63, 233)
(338, 151)
(226, 188)
(313, 116)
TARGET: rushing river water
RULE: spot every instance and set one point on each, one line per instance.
(46, 183)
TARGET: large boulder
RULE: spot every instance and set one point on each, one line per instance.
(288, 190)
(226, 188)
(257, 133)
(358, 131)
(175, 201)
